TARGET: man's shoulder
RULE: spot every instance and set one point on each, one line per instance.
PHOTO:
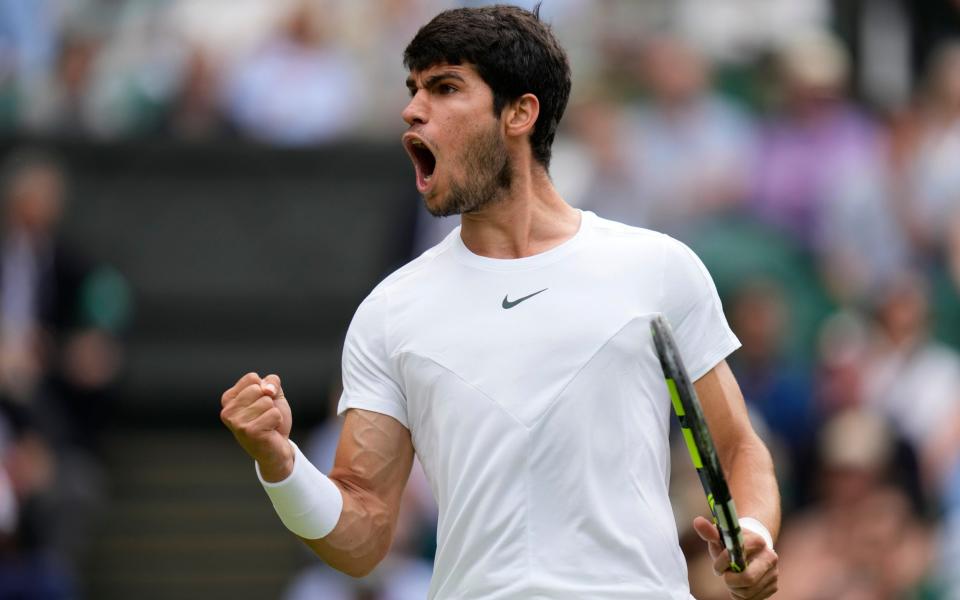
(607, 230)
(634, 246)
(413, 271)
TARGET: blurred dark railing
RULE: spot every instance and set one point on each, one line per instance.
(239, 258)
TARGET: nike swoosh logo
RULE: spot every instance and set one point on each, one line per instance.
(508, 304)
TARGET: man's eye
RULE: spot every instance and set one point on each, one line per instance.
(446, 88)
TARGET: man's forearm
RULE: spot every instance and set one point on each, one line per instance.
(362, 536)
(373, 463)
(753, 483)
(745, 459)
(345, 525)
(348, 517)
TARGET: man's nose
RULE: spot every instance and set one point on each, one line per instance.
(415, 113)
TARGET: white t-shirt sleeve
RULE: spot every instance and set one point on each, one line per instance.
(369, 382)
(692, 306)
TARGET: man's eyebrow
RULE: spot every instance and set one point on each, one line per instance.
(434, 79)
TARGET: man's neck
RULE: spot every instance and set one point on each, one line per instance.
(531, 219)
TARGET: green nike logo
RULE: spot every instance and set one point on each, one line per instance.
(508, 304)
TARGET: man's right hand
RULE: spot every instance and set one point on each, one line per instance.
(257, 414)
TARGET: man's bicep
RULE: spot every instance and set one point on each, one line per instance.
(374, 455)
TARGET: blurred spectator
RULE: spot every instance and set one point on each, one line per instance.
(775, 387)
(820, 175)
(58, 353)
(845, 347)
(226, 35)
(738, 30)
(28, 37)
(140, 62)
(33, 203)
(861, 539)
(116, 64)
(914, 381)
(672, 162)
(950, 535)
(592, 164)
(690, 149)
(927, 159)
(60, 103)
(842, 345)
(195, 110)
(28, 49)
(377, 33)
(298, 88)
(29, 566)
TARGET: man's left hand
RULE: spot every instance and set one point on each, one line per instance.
(759, 579)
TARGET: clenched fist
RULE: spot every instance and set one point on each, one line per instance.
(258, 415)
(761, 577)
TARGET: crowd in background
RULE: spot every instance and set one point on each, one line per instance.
(61, 318)
(291, 72)
(831, 177)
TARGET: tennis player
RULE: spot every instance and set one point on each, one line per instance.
(515, 359)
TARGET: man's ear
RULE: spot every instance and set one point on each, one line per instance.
(520, 116)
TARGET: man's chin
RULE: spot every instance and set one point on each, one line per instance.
(439, 206)
(442, 211)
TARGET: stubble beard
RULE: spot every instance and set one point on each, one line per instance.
(488, 177)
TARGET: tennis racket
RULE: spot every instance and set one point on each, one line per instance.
(699, 443)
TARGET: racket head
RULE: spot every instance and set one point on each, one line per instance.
(696, 434)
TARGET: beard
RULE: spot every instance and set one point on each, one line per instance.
(488, 177)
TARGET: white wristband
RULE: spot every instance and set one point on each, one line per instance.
(307, 502)
(758, 528)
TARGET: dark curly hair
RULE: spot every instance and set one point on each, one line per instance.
(513, 51)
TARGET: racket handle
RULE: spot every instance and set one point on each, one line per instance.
(738, 562)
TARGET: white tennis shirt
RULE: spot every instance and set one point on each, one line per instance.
(538, 409)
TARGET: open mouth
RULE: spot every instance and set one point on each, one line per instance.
(424, 161)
